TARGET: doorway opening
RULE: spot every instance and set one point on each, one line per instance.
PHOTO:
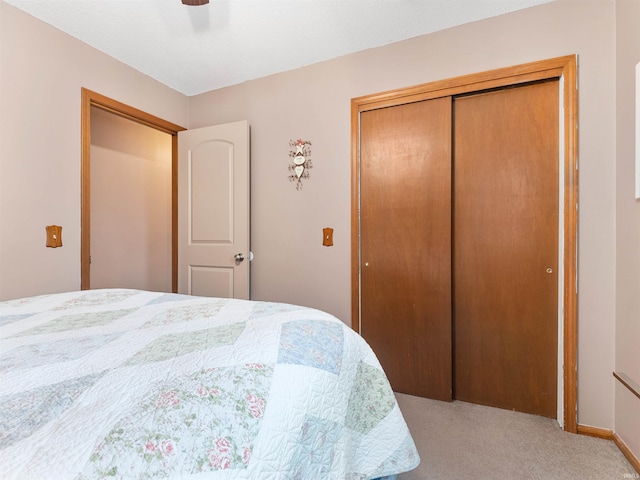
(91, 100)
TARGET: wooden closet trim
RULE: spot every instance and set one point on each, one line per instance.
(93, 99)
(564, 68)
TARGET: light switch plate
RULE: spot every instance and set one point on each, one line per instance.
(54, 236)
(327, 237)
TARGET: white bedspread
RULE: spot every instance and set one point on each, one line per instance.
(133, 384)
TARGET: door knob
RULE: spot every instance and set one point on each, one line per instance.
(239, 257)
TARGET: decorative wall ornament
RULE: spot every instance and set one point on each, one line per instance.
(301, 154)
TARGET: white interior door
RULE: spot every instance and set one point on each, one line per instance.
(213, 211)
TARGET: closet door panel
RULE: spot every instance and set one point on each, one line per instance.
(506, 248)
(405, 264)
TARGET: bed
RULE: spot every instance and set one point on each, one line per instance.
(120, 383)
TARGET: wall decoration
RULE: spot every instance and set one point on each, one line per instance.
(301, 154)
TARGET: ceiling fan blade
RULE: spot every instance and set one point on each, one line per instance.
(195, 2)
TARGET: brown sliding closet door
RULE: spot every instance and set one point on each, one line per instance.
(464, 216)
(505, 248)
(406, 243)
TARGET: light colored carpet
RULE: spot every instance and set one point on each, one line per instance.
(461, 441)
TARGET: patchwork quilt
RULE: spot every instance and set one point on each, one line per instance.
(132, 384)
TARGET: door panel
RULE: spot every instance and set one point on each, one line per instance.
(506, 248)
(214, 211)
(211, 166)
(211, 281)
(406, 244)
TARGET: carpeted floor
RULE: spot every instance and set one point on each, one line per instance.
(461, 441)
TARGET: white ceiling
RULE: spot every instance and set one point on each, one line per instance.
(197, 49)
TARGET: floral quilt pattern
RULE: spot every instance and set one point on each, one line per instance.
(193, 411)
(312, 343)
(23, 413)
(315, 448)
(185, 313)
(169, 346)
(73, 322)
(129, 384)
(370, 399)
(52, 352)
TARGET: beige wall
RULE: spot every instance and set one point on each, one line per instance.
(627, 361)
(313, 103)
(40, 93)
(43, 71)
(130, 204)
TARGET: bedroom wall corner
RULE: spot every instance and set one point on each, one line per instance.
(627, 362)
(42, 73)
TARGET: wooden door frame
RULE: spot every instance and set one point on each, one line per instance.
(93, 99)
(563, 68)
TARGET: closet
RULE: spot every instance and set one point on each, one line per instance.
(458, 245)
